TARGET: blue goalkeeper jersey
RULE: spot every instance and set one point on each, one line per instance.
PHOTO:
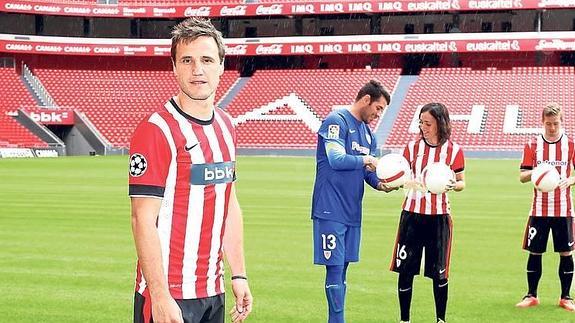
(338, 188)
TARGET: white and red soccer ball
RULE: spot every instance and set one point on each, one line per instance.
(436, 176)
(545, 177)
(393, 170)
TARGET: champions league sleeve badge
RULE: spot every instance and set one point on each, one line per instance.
(138, 165)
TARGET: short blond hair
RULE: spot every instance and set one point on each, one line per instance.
(192, 28)
(552, 109)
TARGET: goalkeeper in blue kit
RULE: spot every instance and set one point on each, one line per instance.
(345, 159)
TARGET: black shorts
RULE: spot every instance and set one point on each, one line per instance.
(537, 234)
(417, 231)
(201, 310)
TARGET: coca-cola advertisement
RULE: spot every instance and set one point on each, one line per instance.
(51, 7)
(382, 44)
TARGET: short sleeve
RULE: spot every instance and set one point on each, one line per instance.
(333, 128)
(528, 160)
(150, 158)
(458, 164)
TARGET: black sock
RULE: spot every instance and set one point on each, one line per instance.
(565, 274)
(404, 291)
(534, 270)
(440, 294)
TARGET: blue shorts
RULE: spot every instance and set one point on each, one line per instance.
(335, 243)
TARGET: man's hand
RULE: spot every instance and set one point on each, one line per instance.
(370, 162)
(451, 185)
(166, 310)
(566, 182)
(244, 300)
(382, 187)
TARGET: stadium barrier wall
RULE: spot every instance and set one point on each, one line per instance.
(28, 152)
(328, 45)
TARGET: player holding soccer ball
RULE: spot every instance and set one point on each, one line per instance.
(425, 220)
(552, 210)
(345, 160)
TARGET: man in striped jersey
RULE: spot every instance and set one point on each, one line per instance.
(550, 211)
(425, 220)
(185, 214)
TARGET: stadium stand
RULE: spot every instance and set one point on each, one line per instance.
(309, 96)
(14, 96)
(115, 101)
(281, 109)
(523, 90)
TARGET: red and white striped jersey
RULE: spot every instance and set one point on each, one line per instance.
(561, 155)
(419, 153)
(190, 165)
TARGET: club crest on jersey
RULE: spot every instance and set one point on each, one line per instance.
(138, 165)
(368, 138)
(333, 131)
(327, 254)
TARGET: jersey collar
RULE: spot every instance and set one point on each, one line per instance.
(189, 117)
(552, 142)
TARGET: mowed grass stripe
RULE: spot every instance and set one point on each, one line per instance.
(67, 255)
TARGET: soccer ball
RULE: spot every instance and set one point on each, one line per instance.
(436, 176)
(545, 177)
(393, 170)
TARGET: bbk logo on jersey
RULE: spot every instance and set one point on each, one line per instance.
(216, 173)
(138, 165)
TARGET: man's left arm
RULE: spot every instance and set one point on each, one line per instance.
(233, 243)
(569, 181)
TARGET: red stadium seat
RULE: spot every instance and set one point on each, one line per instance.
(14, 96)
(115, 101)
(321, 90)
(459, 89)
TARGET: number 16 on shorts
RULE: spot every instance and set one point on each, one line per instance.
(400, 255)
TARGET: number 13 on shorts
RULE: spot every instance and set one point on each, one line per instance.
(328, 243)
(335, 243)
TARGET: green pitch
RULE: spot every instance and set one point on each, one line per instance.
(67, 255)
